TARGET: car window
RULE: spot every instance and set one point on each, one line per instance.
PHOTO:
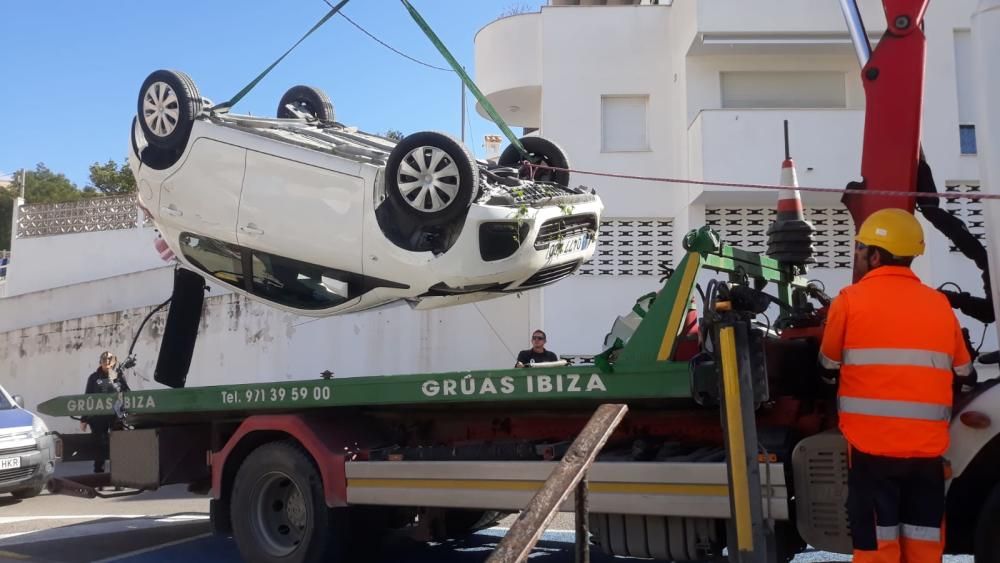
(4, 403)
(219, 259)
(300, 284)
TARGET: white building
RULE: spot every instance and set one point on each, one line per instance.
(699, 90)
(694, 89)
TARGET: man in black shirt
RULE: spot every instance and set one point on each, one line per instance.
(101, 381)
(537, 353)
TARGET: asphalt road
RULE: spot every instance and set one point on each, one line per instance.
(170, 525)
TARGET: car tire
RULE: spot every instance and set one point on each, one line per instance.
(540, 151)
(306, 99)
(432, 197)
(279, 511)
(168, 104)
(987, 539)
(27, 493)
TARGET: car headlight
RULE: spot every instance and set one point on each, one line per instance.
(38, 428)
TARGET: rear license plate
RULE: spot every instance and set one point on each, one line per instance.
(569, 245)
(10, 463)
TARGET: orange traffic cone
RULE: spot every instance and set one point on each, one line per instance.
(790, 237)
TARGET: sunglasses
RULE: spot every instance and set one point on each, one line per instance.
(538, 338)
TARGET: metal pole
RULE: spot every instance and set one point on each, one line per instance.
(855, 25)
(747, 537)
(788, 155)
(516, 546)
(582, 522)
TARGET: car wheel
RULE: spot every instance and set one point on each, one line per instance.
(987, 540)
(540, 151)
(30, 492)
(431, 177)
(306, 99)
(168, 104)
(279, 512)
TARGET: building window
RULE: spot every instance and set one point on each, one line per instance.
(221, 260)
(623, 123)
(964, 89)
(300, 285)
(967, 138)
(631, 247)
(765, 89)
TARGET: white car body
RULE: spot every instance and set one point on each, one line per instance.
(291, 189)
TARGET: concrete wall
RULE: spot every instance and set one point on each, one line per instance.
(53, 261)
(241, 341)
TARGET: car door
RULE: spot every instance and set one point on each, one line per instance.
(298, 209)
(204, 195)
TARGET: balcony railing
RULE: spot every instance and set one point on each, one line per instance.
(83, 216)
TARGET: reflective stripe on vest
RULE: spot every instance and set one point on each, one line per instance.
(925, 533)
(886, 533)
(895, 409)
(897, 357)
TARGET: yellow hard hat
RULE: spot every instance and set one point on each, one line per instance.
(895, 230)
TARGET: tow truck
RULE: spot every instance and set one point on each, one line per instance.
(695, 431)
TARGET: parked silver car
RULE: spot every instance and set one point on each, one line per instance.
(28, 451)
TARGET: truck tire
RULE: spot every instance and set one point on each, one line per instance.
(279, 512)
(987, 541)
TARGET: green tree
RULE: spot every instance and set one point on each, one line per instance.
(45, 186)
(394, 134)
(110, 178)
(41, 186)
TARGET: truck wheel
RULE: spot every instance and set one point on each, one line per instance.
(987, 542)
(30, 492)
(278, 509)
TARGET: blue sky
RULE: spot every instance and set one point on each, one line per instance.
(71, 70)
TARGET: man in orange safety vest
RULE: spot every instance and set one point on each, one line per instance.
(898, 346)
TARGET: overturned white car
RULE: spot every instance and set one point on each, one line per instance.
(319, 218)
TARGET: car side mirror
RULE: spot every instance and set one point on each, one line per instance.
(19, 401)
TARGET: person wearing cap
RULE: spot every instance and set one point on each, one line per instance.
(101, 381)
(537, 353)
(898, 347)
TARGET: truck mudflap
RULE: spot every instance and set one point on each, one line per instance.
(819, 467)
